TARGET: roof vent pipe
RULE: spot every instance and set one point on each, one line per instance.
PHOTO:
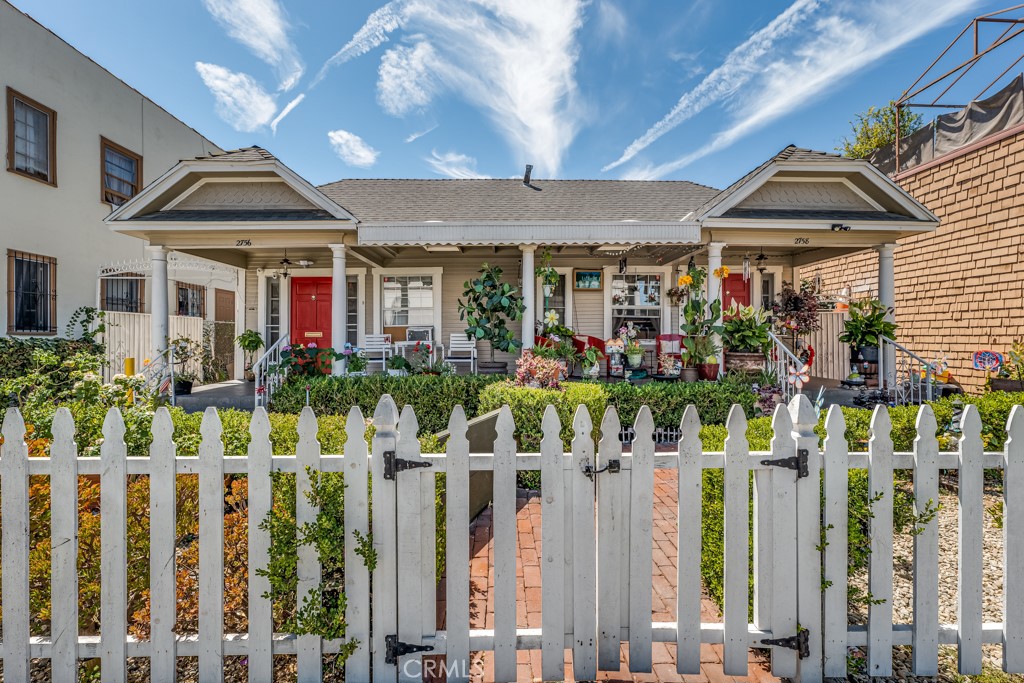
(526, 176)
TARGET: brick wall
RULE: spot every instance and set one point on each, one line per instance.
(960, 288)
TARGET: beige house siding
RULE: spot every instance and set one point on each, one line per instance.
(960, 288)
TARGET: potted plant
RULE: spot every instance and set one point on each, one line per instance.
(185, 352)
(548, 275)
(745, 337)
(796, 312)
(591, 358)
(559, 350)
(398, 366)
(355, 361)
(634, 353)
(864, 329)
(488, 307)
(250, 342)
(1011, 372)
(704, 351)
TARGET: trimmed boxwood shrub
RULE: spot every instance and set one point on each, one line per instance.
(668, 400)
(528, 406)
(432, 396)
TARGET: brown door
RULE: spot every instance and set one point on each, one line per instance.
(224, 330)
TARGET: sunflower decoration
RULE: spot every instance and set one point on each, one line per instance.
(722, 273)
(684, 281)
(798, 378)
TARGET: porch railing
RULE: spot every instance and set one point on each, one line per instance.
(269, 373)
(780, 362)
(903, 375)
(159, 374)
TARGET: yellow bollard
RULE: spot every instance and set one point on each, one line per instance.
(129, 369)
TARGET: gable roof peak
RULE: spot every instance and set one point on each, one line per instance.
(254, 153)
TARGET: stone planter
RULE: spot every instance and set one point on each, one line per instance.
(634, 359)
(708, 371)
(744, 361)
(688, 375)
(1006, 384)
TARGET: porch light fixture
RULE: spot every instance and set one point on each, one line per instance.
(690, 265)
(761, 258)
(839, 227)
(285, 263)
(305, 262)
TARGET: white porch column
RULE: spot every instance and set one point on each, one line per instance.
(159, 314)
(339, 301)
(714, 288)
(529, 295)
(887, 295)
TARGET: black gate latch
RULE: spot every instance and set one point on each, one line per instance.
(797, 462)
(393, 465)
(394, 648)
(800, 642)
(613, 467)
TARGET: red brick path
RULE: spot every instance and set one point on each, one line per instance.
(528, 603)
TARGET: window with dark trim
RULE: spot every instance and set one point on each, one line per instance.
(31, 138)
(191, 300)
(120, 173)
(124, 293)
(31, 293)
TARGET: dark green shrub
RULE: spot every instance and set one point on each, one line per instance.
(528, 406)
(432, 396)
(16, 352)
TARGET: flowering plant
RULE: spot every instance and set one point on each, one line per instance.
(722, 272)
(538, 372)
(355, 360)
(309, 360)
(796, 311)
(633, 347)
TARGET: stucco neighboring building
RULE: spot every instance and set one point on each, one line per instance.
(960, 288)
(78, 141)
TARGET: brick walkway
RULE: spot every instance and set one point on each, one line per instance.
(529, 595)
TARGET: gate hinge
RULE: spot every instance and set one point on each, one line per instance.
(797, 462)
(393, 465)
(613, 467)
(801, 642)
(394, 648)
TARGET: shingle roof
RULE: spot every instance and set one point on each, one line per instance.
(385, 201)
(789, 153)
(253, 153)
(816, 214)
(238, 215)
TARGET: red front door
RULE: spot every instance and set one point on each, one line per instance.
(735, 289)
(311, 311)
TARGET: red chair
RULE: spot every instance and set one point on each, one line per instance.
(542, 341)
(668, 345)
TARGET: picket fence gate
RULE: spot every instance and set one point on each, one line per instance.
(596, 557)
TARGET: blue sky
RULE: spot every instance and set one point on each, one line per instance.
(700, 90)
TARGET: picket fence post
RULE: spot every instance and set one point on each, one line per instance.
(552, 548)
(211, 548)
(503, 515)
(162, 546)
(584, 544)
(410, 558)
(64, 548)
(385, 540)
(1013, 544)
(737, 539)
(357, 524)
(261, 499)
(457, 546)
(808, 525)
(780, 511)
(926, 546)
(880, 571)
(970, 550)
(14, 502)
(308, 647)
(689, 504)
(609, 543)
(641, 542)
(113, 549)
(836, 462)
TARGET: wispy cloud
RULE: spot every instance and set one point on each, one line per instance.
(612, 24)
(454, 165)
(352, 149)
(420, 133)
(241, 101)
(514, 61)
(850, 37)
(287, 110)
(263, 27)
(742, 64)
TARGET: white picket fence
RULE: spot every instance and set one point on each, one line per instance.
(597, 517)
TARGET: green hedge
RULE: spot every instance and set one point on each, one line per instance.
(668, 400)
(16, 352)
(528, 406)
(432, 396)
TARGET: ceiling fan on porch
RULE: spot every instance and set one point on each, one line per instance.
(285, 263)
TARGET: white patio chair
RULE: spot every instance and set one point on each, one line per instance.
(378, 349)
(461, 350)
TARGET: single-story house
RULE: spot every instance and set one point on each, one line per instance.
(335, 263)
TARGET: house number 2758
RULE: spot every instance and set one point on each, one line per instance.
(243, 243)
(802, 240)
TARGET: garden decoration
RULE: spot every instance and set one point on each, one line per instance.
(489, 306)
(591, 358)
(989, 361)
(798, 378)
(796, 311)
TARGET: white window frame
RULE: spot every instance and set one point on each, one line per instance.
(666, 280)
(378, 296)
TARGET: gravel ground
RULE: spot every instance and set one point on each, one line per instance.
(903, 592)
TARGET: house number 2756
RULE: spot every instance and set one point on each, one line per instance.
(243, 243)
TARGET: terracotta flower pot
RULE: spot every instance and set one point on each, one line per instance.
(708, 371)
